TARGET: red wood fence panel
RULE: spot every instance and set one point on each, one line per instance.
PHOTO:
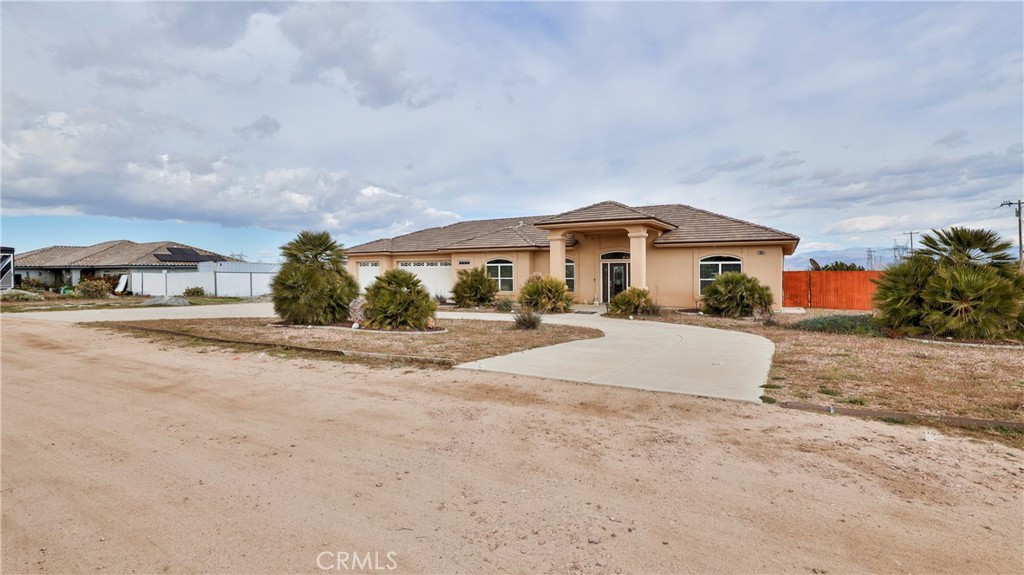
(829, 290)
(796, 289)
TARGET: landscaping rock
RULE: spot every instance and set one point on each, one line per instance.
(356, 310)
(165, 300)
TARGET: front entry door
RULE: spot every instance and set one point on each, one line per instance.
(614, 279)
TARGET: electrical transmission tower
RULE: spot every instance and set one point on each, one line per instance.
(871, 259)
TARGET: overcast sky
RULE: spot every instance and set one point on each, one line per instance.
(232, 126)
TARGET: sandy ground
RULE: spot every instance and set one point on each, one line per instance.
(121, 455)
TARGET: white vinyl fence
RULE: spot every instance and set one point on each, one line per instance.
(221, 279)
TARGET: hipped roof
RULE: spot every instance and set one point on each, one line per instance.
(686, 225)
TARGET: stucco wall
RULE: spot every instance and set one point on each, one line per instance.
(672, 272)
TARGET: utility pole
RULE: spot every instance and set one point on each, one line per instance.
(1020, 232)
(871, 259)
(911, 234)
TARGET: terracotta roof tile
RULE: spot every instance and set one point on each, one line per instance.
(691, 225)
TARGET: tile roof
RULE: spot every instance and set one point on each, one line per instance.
(117, 253)
(600, 212)
(691, 226)
(696, 226)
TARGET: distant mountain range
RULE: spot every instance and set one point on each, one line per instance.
(802, 261)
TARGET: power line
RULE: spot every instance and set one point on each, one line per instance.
(1020, 231)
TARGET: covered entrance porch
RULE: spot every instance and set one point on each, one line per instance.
(610, 241)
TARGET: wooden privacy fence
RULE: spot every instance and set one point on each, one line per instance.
(829, 290)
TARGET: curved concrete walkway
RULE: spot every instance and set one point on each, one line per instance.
(640, 354)
(647, 355)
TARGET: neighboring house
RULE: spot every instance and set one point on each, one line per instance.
(599, 250)
(155, 268)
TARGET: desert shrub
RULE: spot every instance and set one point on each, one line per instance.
(971, 302)
(961, 284)
(398, 300)
(474, 287)
(545, 294)
(527, 319)
(93, 288)
(440, 298)
(195, 291)
(19, 295)
(861, 324)
(735, 294)
(32, 284)
(313, 287)
(633, 302)
(899, 295)
(504, 305)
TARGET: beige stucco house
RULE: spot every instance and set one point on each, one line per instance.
(599, 250)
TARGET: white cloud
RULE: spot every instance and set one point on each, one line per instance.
(866, 224)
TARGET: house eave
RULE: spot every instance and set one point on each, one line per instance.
(599, 225)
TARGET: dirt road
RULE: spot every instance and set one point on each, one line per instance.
(121, 455)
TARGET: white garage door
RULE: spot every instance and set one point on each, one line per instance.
(368, 271)
(436, 276)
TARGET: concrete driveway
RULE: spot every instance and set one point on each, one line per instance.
(640, 354)
(644, 355)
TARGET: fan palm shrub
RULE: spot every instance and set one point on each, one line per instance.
(398, 300)
(970, 246)
(474, 287)
(735, 294)
(633, 302)
(970, 302)
(961, 284)
(899, 295)
(313, 287)
(545, 294)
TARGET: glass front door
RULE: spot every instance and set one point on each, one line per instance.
(614, 279)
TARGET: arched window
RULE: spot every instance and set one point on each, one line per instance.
(713, 266)
(570, 274)
(615, 256)
(501, 270)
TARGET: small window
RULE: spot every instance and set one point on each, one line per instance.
(570, 274)
(501, 270)
(714, 266)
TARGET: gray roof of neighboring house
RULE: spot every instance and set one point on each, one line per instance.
(691, 226)
(118, 253)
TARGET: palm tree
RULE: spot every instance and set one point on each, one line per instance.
(963, 283)
(971, 246)
(313, 287)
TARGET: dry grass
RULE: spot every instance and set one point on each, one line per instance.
(882, 373)
(466, 340)
(55, 302)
